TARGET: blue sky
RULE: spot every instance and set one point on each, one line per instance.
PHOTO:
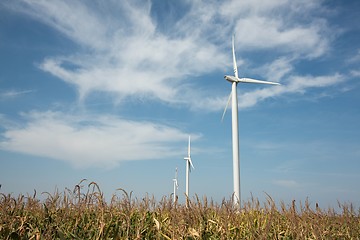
(110, 91)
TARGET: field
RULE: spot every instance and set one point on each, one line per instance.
(83, 213)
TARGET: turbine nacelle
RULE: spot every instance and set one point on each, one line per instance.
(231, 78)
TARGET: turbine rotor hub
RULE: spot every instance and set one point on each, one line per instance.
(231, 78)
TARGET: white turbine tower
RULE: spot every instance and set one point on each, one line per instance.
(189, 165)
(235, 132)
(176, 186)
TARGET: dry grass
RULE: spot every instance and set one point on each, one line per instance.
(86, 215)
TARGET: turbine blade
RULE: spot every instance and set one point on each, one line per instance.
(191, 164)
(189, 147)
(234, 58)
(227, 104)
(250, 80)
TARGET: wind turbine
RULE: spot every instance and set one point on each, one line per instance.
(176, 186)
(235, 132)
(189, 165)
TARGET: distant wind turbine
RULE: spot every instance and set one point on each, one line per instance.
(176, 186)
(235, 132)
(189, 165)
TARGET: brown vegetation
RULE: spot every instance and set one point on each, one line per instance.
(86, 215)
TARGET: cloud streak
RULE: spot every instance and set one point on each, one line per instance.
(83, 141)
(296, 85)
(10, 94)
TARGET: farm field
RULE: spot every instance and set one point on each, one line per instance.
(83, 213)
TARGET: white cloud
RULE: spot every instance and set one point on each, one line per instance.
(9, 94)
(83, 141)
(276, 70)
(355, 73)
(137, 72)
(259, 32)
(240, 8)
(125, 54)
(296, 84)
(283, 25)
(127, 57)
(61, 16)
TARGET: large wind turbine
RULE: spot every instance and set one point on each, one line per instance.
(176, 186)
(235, 132)
(189, 165)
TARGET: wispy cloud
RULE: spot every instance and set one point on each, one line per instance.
(355, 58)
(296, 84)
(355, 73)
(9, 94)
(83, 141)
(127, 54)
(283, 25)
